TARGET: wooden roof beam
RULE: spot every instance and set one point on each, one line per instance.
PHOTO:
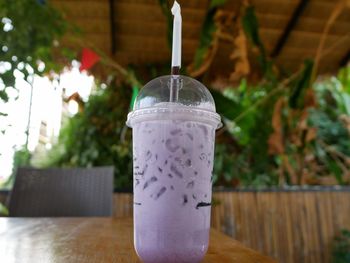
(112, 26)
(289, 28)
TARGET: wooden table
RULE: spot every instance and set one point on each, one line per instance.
(65, 240)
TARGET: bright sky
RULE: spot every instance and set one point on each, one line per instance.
(46, 107)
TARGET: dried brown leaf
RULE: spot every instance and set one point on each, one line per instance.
(208, 59)
(310, 99)
(311, 134)
(290, 170)
(275, 142)
(240, 54)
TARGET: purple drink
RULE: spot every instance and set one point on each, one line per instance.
(173, 146)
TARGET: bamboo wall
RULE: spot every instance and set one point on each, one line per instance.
(292, 226)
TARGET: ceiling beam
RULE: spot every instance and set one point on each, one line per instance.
(289, 28)
(345, 59)
(112, 26)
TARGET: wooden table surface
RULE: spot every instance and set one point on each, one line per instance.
(95, 240)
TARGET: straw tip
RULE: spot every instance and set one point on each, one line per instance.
(176, 8)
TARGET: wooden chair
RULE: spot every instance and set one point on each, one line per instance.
(67, 192)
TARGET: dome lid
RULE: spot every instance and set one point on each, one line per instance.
(192, 93)
(192, 97)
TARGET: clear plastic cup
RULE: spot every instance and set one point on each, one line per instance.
(173, 153)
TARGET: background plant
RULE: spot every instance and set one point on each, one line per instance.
(29, 37)
(341, 247)
(284, 128)
(97, 136)
(30, 45)
(279, 128)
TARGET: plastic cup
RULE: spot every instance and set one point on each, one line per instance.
(173, 153)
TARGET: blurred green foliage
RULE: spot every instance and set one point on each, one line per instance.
(3, 210)
(21, 158)
(30, 34)
(208, 30)
(283, 129)
(242, 153)
(97, 136)
(341, 248)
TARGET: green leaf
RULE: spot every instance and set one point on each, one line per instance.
(3, 210)
(206, 37)
(135, 92)
(243, 86)
(341, 247)
(344, 77)
(216, 3)
(8, 78)
(225, 106)
(251, 26)
(335, 170)
(251, 29)
(207, 31)
(199, 56)
(346, 103)
(4, 96)
(303, 82)
(68, 53)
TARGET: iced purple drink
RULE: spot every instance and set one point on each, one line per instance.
(173, 164)
(173, 152)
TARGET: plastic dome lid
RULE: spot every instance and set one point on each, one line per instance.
(194, 102)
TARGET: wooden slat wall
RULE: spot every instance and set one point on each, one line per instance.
(290, 226)
(123, 205)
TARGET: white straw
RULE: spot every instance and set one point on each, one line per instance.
(176, 49)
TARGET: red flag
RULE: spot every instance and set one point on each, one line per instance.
(88, 59)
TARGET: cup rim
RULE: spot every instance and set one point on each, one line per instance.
(186, 113)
